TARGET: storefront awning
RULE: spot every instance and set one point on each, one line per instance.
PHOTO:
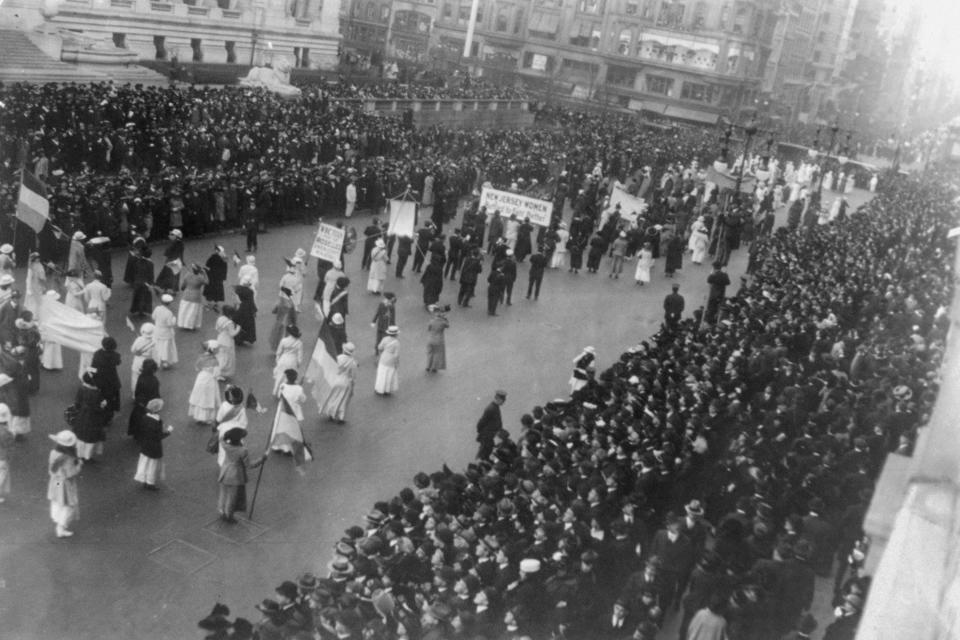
(695, 115)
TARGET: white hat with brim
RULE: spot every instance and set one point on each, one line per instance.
(79, 235)
(64, 438)
(6, 248)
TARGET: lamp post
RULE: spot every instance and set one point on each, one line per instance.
(750, 131)
(834, 129)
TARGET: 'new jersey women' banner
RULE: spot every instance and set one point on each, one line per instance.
(512, 203)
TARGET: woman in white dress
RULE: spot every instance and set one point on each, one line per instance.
(190, 313)
(52, 357)
(559, 259)
(335, 405)
(378, 267)
(644, 265)
(36, 283)
(288, 356)
(249, 272)
(286, 422)
(388, 378)
(63, 466)
(227, 330)
(165, 345)
(141, 349)
(205, 396)
(232, 414)
(699, 242)
(74, 288)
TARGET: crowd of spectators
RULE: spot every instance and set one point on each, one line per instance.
(714, 468)
(207, 159)
(441, 88)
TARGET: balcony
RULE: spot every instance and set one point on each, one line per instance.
(161, 7)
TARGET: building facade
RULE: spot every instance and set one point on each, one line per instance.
(304, 32)
(689, 60)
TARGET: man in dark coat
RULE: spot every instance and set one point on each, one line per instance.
(384, 318)
(424, 238)
(370, 236)
(673, 307)
(509, 269)
(404, 249)
(538, 262)
(823, 535)
(216, 266)
(675, 552)
(468, 278)
(490, 424)
(496, 283)
(454, 255)
(718, 281)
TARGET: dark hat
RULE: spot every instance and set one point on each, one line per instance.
(234, 436)
(589, 556)
(307, 582)
(242, 629)
(807, 624)
(288, 590)
(269, 607)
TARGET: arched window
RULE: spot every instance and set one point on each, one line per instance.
(372, 11)
(624, 41)
(502, 20)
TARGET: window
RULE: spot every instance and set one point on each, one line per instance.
(586, 34)
(821, 36)
(659, 85)
(697, 92)
(825, 18)
(384, 13)
(120, 40)
(159, 45)
(816, 56)
(632, 7)
(699, 15)
(371, 11)
(647, 13)
(593, 7)
(587, 68)
(621, 77)
(543, 25)
(537, 61)
(195, 44)
(550, 4)
(724, 16)
(518, 22)
(502, 22)
(231, 48)
(447, 10)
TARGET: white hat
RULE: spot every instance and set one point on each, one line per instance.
(146, 329)
(211, 345)
(251, 259)
(393, 330)
(529, 565)
(64, 438)
(5, 415)
(300, 253)
(337, 318)
(6, 248)
(176, 233)
(79, 235)
(53, 295)
(166, 298)
(6, 280)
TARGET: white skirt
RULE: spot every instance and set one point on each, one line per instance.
(52, 358)
(374, 285)
(190, 315)
(149, 470)
(388, 379)
(62, 514)
(205, 396)
(165, 350)
(86, 450)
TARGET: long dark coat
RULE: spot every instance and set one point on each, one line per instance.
(432, 282)
(246, 316)
(216, 274)
(91, 420)
(106, 378)
(151, 437)
(148, 388)
(674, 254)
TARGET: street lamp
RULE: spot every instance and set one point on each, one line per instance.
(834, 129)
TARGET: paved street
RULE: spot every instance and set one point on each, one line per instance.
(149, 565)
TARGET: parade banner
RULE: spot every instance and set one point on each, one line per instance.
(728, 180)
(630, 206)
(507, 203)
(403, 218)
(329, 243)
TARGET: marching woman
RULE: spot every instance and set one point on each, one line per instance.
(52, 357)
(164, 342)
(289, 354)
(436, 343)
(699, 241)
(233, 474)
(644, 265)
(246, 316)
(289, 413)
(232, 414)
(190, 313)
(141, 349)
(205, 396)
(36, 283)
(216, 275)
(105, 362)
(334, 406)
(142, 274)
(63, 466)
(227, 331)
(90, 425)
(150, 437)
(286, 314)
(388, 379)
(28, 337)
(147, 388)
(378, 267)
(74, 288)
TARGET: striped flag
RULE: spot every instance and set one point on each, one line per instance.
(322, 370)
(33, 208)
(291, 437)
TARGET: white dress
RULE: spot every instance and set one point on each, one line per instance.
(227, 330)
(74, 298)
(52, 358)
(205, 396)
(378, 270)
(286, 426)
(560, 252)
(700, 242)
(644, 265)
(165, 346)
(289, 355)
(388, 377)
(229, 416)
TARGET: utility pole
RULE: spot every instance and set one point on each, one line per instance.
(471, 26)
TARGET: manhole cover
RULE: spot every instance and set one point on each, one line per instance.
(241, 531)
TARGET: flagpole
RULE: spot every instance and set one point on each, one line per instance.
(266, 456)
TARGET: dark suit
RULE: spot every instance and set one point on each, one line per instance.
(488, 427)
(538, 262)
(672, 309)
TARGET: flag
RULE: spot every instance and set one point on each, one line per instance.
(33, 209)
(322, 370)
(291, 437)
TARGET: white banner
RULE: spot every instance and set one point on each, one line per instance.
(403, 218)
(630, 206)
(511, 203)
(329, 243)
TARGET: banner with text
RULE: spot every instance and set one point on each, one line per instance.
(511, 203)
(329, 243)
(630, 206)
(403, 218)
